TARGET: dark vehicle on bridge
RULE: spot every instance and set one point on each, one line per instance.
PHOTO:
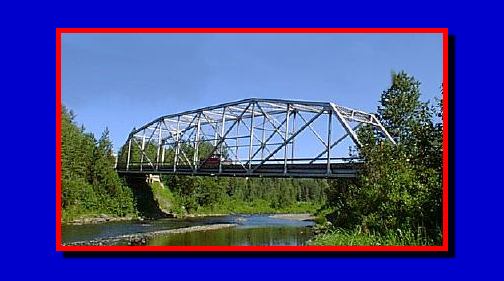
(212, 161)
(215, 160)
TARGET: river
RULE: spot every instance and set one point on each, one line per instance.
(257, 230)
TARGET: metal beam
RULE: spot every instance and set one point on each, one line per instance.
(287, 113)
(346, 126)
(333, 145)
(329, 130)
(289, 139)
(223, 137)
(251, 140)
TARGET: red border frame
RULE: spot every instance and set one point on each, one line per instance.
(442, 248)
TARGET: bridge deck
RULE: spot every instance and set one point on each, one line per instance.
(315, 170)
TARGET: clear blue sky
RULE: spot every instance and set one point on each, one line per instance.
(121, 81)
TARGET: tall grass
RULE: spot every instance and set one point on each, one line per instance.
(398, 237)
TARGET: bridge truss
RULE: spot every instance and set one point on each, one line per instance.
(251, 137)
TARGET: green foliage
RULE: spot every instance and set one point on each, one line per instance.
(399, 188)
(206, 195)
(399, 106)
(257, 206)
(89, 183)
(354, 237)
(166, 201)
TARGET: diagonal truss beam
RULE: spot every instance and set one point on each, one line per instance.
(313, 130)
(318, 157)
(289, 139)
(224, 135)
(346, 126)
(225, 143)
(263, 143)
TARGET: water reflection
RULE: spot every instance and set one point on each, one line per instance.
(266, 236)
(258, 230)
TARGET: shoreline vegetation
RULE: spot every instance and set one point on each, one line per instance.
(358, 237)
(103, 218)
(395, 200)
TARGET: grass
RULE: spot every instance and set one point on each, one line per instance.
(356, 237)
(165, 199)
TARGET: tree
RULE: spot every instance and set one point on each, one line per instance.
(90, 184)
(399, 105)
(400, 185)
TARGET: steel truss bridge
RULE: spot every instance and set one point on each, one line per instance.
(251, 138)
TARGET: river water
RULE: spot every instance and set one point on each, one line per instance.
(257, 230)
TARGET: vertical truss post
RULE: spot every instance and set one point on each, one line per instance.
(142, 152)
(237, 140)
(216, 133)
(221, 150)
(177, 145)
(162, 154)
(159, 147)
(129, 153)
(292, 132)
(329, 131)
(251, 141)
(286, 137)
(262, 137)
(196, 143)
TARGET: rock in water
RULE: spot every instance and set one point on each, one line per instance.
(138, 241)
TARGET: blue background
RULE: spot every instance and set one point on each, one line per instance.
(28, 119)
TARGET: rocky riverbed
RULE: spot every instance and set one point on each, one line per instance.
(141, 238)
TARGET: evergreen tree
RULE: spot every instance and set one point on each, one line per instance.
(90, 185)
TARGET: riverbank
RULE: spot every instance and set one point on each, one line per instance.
(142, 238)
(102, 218)
(253, 230)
